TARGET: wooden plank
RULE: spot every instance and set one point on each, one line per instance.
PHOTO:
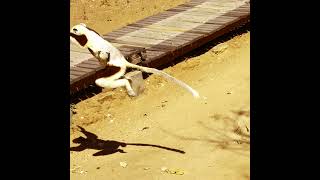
(88, 66)
(175, 43)
(205, 9)
(174, 20)
(92, 61)
(73, 76)
(159, 28)
(77, 73)
(161, 16)
(132, 49)
(164, 15)
(161, 31)
(221, 29)
(243, 10)
(124, 49)
(77, 49)
(215, 3)
(192, 12)
(194, 3)
(113, 36)
(221, 20)
(158, 33)
(119, 43)
(189, 36)
(140, 39)
(168, 13)
(85, 70)
(117, 30)
(193, 19)
(76, 57)
(176, 13)
(182, 27)
(117, 34)
(125, 32)
(151, 34)
(157, 18)
(170, 31)
(151, 55)
(236, 13)
(157, 61)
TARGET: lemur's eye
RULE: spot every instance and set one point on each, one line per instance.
(75, 30)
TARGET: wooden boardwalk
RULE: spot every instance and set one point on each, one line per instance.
(158, 39)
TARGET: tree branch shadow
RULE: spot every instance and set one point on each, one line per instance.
(222, 136)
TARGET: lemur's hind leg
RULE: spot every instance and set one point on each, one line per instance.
(109, 83)
(112, 79)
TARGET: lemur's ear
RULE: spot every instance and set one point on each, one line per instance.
(83, 24)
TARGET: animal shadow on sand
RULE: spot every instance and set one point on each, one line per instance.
(107, 147)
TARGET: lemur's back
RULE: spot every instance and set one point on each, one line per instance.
(116, 56)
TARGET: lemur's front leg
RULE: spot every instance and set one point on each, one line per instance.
(103, 57)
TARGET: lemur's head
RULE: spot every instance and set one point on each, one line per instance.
(78, 34)
(79, 140)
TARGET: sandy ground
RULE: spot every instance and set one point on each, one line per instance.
(165, 133)
(107, 15)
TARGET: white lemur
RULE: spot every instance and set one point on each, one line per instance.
(110, 57)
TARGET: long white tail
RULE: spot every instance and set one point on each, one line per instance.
(167, 76)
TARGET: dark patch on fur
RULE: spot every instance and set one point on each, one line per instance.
(82, 39)
(92, 52)
(106, 60)
(97, 55)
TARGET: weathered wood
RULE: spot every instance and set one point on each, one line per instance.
(92, 61)
(88, 66)
(75, 48)
(85, 70)
(76, 57)
(121, 43)
(77, 73)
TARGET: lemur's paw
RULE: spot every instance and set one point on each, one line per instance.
(132, 93)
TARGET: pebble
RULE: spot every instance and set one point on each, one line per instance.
(123, 164)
